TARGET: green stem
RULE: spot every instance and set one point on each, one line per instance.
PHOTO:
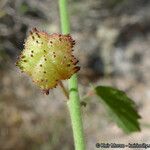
(75, 113)
(74, 100)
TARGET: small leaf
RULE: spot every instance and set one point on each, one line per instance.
(47, 59)
(121, 107)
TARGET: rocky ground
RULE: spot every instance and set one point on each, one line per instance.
(113, 42)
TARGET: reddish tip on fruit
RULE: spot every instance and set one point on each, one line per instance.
(46, 92)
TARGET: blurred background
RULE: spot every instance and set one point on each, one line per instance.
(113, 46)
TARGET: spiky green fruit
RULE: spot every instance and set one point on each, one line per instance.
(47, 59)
